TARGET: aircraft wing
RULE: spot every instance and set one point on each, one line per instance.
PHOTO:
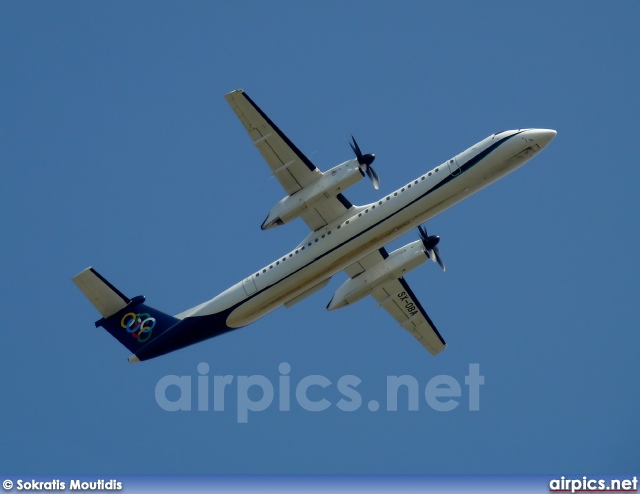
(396, 297)
(288, 164)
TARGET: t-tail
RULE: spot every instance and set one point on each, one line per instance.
(130, 321)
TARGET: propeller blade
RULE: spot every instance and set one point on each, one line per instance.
(423, 232)
(375, 180)
(365, 160)
(431, 246)
(356, 149)
(438, 258)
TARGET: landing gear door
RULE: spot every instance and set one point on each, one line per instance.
(453, 167)
(249, 286)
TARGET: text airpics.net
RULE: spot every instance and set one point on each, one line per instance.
(257, 393)
(590, 484)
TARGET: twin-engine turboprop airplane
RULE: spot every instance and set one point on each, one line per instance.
(343, 237)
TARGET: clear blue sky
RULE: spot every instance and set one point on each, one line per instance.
(119, 151)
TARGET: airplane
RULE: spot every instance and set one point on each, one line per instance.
(344, 237)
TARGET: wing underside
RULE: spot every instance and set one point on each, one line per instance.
(396, 297)
(288, 164)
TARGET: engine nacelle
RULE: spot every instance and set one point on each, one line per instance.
(330, 184)
(398, 263)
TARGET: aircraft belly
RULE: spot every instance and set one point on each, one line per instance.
(302, 279)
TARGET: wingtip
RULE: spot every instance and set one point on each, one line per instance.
(133, 359)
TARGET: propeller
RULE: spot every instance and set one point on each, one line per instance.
(431, 246)
(365, 160)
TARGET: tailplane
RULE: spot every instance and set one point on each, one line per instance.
(130, 321)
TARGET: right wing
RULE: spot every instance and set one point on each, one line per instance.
(288, 164)
(396, 297)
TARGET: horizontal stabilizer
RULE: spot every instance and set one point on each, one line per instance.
(102, 294)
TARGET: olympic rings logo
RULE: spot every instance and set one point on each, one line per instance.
(139, 325)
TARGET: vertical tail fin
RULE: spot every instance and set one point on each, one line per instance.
(130, 321)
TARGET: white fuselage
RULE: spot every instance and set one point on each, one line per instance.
(363, 229)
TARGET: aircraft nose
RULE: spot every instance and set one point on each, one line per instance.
(542, 137)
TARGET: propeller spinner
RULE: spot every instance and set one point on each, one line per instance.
(365, 160)
(431, 246)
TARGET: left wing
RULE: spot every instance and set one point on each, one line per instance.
(288, 164)
(396, 297)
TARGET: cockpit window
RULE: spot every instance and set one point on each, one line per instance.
(499, 132)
